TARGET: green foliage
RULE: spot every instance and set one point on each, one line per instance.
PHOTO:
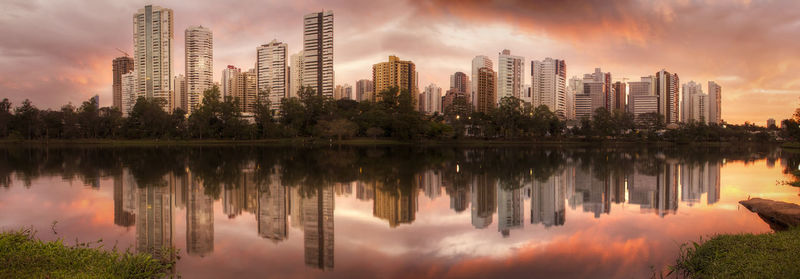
(24, 256)
(770, 255)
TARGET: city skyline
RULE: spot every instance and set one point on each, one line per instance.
(757, 82)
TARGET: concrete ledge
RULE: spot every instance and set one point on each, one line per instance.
(779, 215)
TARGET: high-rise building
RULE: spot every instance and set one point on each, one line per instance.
(574, 88)
(228, 82)
(395, 73)
(347, 92)
(318, 52)
(486, 91)
(295, 74)
(687, 93)
(338, 92)
(272, 72)
(152, 56)
(619, 89)
(128, 92)
(460, 82)
(199, 64)
(714, 103)
(478, 62)
(548, 85)
(598, 89)
(431, 99)
(181, 95)
(120, 66)
(510, 75)
(642, 98)
(668, 96)
(364, 90)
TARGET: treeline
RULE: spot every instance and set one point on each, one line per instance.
(313, 115)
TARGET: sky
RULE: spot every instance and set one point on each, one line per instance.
(58, 52)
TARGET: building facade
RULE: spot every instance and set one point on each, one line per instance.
(714, 103)
(295, 74)
(152, 44)
(478, 62)
(549, 85)
(668, 96)
(510, 73)
(364, 90)
(128, 93)
(119, 66)
(431, 99)
(181, 96)
(272, 73)
(199, 64)
(394, 73)
(486, 94)
(318, 52)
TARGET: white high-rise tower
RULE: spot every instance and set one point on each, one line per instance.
(199, 64)
(510, 75)
(548, 83)
(272, 74)
(152, 45)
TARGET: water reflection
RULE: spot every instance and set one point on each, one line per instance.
(297, 189)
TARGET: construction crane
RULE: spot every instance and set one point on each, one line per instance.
(123, 52)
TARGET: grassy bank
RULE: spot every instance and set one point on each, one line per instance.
(24, 256)
(770, 255)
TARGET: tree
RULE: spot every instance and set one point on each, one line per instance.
(375, 132)
(262, 113)
(27, 120)
(338, 128)
(508, 116)
(5, 117)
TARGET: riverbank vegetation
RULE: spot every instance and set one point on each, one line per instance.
(770, 255)
(24, 256)
(393, 117)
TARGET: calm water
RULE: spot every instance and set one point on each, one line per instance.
(394, 211)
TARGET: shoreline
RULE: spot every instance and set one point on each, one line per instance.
(309, 141)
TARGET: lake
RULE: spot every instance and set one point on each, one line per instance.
(394, 211)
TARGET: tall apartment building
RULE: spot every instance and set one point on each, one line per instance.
(548, 85)
(510, 73)
(668, 96)
(714, 103)
(395, 73)
(318, 52)
(460, 81)
(574, 88)
(228, 81)
(688, 92)
(478, 62)
(295, 74)
(119, 66)
(619, 90)
(486, 91)
(199, 64)
(127, 92)
(364, 90)
(272, 72)
(641, 97)
(152, 56)
(431, 99)
(181, 95)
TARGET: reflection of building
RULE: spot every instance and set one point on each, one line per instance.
(431, 184)
(699, 179)
(364, 192)
(318, 228)
(273, 202)
(655, 188)
(459, 198)
(154, 217)
(123, 197)
(484, 201)
(199, 219)
(240, 197)
(509, 210)
(395, 205)
(296, 204)
(593, 192)
(547, 202)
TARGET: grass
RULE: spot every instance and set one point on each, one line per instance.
(24, 256)
(770, 255)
